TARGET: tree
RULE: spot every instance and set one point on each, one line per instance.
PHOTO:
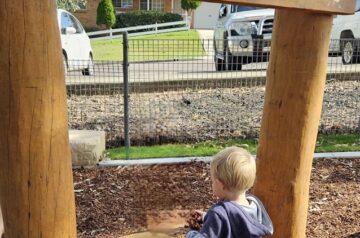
(71, 5)
(189, 6)
(106, 14)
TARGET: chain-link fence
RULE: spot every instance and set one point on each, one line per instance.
(195, 90)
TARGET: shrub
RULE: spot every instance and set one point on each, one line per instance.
(140, 18)
(189, 5)
(105, 14)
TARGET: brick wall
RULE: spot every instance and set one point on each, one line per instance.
(168, 5)
(87, 17)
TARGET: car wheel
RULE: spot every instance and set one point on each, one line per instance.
(90, 67)
(66, 67)
(349, 52)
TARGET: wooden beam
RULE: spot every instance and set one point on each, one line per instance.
(36, 185)
(323, 6)
(293, 101)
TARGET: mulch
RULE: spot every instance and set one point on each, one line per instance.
(112, 202)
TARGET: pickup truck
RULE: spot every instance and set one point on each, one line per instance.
(345, 37)
(242, 35)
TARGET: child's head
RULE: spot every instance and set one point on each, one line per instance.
(234, 168)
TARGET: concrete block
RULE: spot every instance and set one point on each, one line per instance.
(87, 147)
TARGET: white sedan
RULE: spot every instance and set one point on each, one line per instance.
(76, 47)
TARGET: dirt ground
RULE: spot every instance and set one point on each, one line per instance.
(112, 202)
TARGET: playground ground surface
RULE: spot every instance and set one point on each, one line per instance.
(114, 202)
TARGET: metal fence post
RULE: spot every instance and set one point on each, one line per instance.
(126, 92)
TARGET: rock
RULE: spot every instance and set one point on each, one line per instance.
(87, 147)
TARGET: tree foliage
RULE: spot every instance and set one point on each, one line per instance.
(190, 5)
(106, 13)
(71, 5)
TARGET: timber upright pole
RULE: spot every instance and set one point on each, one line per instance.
(36, 186)
(293, 101)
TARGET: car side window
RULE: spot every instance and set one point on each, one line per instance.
(69, 21)
(65, 22)
(76, 24)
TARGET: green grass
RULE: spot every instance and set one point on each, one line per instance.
(325, 143)
(338, 143)
(164, 46)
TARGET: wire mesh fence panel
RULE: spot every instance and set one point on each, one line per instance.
(193, 90)
(96, 102)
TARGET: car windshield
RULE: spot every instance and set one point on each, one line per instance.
(240, 8)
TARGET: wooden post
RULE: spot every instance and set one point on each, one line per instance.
(36, 186)
(294, 93)
(1, 224)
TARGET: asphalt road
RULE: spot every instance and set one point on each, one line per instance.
(202, 68)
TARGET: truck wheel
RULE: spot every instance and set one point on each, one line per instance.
(228, 60)
(219, 64)
(237, 63)
(350, 53)
(232, 62)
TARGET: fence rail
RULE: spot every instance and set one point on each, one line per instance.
(141, 30)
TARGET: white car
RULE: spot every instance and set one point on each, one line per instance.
(76, 47)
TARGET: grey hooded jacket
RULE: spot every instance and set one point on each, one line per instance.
(227, 219)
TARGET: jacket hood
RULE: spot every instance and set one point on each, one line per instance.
(256, 225)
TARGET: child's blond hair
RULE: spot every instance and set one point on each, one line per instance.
(235, 168)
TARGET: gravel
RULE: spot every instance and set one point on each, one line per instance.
(197, 115)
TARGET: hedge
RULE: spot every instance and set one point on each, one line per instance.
(139, 18)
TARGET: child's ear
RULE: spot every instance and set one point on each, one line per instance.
(223, 185)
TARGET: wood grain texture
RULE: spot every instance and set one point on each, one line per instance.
(324, 6)
(293, 101)
(36, 186)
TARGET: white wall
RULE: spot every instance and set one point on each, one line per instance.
(206, 15)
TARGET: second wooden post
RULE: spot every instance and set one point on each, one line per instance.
(294, 94)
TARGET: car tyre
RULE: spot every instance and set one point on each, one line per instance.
(90, 67)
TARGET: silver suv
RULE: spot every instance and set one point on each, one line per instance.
(242, 36)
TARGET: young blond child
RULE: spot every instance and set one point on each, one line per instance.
(237, 215)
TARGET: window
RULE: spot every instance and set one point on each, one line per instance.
(76, 24)
(69, 21)
(155, 5)
(240, 8)
(82, 5)
(123, 3)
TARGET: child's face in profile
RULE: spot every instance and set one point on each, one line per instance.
(217, 187)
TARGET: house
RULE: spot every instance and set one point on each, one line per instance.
(87, 15)
(206, 15)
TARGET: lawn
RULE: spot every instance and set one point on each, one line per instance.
(165, 46)
(325, 143)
